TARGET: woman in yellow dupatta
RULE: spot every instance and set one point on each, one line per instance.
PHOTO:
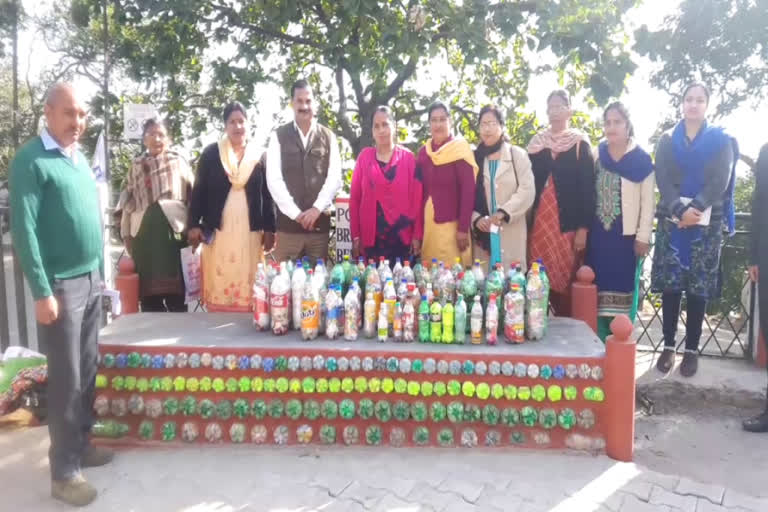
(448, 170)
(233, 214)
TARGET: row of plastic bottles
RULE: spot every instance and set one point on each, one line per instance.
(324, 303)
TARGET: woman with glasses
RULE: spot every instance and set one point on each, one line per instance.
(564, 173)
(622, 223)
(154, 213)
(503, 194)
(448, 170)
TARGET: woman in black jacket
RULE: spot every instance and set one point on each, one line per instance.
(564, 172)
(232, 212)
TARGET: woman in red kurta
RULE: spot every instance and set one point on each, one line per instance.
(386, 216)
(449, 169)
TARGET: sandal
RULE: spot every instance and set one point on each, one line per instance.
(666, 360)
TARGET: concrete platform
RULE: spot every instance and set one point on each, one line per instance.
(567, 338)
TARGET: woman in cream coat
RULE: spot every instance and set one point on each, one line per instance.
(504, 192)
(619, 237)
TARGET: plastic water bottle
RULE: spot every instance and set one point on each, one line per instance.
(436, 322)
(468, 286)
(447, 287)
(332, 321)
(429, 293)
(318, 282)
(517, 277)
(479, 275)
(310, 309)
(537, 305)
(448, 324)
(492, 321)
(337, 276)
(434, 271)
(407, 273)
(424, 320)
(402, 290)
(352, 313)
(390, 297)
(397, 323)
(409, 321)
(460, 314)
(386, 273)
(457, 268)
(397, 270)
(369, 323)
(476, 322)
(514, 315)
(374, 285)
(298, 280)
(383, 327)
(260, 299)
(280, 301)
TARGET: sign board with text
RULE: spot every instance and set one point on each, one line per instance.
(343, 234)
(134, 116)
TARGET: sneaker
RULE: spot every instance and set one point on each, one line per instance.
(757, 424)
(95, 456)
(666, 360)
(690, 363)
(75, 491)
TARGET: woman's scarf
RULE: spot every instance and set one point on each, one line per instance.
(557, 142)
(238, 173)
(692, 159)
(481, 201)
(634, 166)
(452, 151)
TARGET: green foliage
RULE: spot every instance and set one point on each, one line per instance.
(722, 42)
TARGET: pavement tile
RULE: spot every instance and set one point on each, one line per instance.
(734, 499)
(363, 494)
(469, 490)
(632, 504)
(391, 503)
(503, 500)
(713, 493)
(660, 496)
(668, 482)
(425, 494)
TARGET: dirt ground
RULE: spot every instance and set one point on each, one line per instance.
(698, 434)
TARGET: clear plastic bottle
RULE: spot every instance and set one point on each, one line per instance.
(260, 300)
(476, 322)
(460, 320)
(386, 273)
(390, 297)
(298, 280)
(492, 321)
(374, 285)
(272, 271)
(409, 321)
(447, 287)
(536, 305)
(318, 282)
(429, 293)
(280, 301)
(448, 323)
(369, 322)
(424, 320)
(514, 315)
(383, 325)
(397, 323)
(397, 270)
(320, 270)
(418, 278)
(479, 275)
(380, 269)
(407, 272)
(337, 276)
(517, 277)
(494, 285)
(457, 268)
(310, 309)
(346, 266)
(352, 313)
(434, 271)
(436, 322)
(402, 290)
(332, 321)
(468, 285)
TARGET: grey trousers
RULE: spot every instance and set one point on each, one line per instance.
(71, 346)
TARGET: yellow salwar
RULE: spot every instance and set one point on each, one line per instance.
(229, 263)
(440, 240)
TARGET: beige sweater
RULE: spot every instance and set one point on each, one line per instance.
(637, 204)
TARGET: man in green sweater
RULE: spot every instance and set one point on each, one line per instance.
(57, 237)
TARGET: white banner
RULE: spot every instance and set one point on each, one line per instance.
(134, 115)
(343, 235)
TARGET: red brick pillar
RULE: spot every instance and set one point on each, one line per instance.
(620, 390)
(584, 297)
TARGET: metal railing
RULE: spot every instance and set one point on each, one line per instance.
(728, 329)
(13, 294)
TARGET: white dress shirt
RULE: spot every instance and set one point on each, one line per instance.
(49, 143)
(279, 190)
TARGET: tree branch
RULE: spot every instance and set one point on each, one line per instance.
(238, 21)
(346, 127)
(393, 88)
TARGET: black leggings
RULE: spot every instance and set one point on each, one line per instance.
(696, 306)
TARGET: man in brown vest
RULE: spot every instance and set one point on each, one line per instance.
(303, 176)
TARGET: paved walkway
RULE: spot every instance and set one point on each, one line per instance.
(247, 478)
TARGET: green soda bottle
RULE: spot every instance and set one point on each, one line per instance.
(448, 334)
(424, 320)
(436, 322)
(460, 320)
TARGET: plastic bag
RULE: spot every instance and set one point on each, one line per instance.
(191, 270)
